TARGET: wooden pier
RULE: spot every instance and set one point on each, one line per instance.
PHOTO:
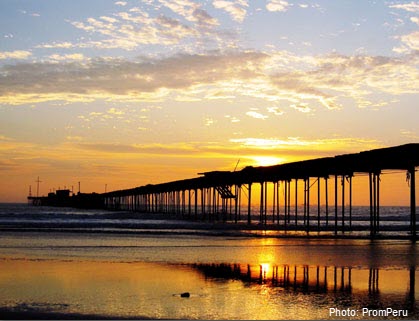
(227, 196)
(230, 196)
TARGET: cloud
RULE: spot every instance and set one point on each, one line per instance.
(236, 9)
(191, 11)
(208, 121)
(34, 14)
(53, 45)
(411, 40)
(302, 107)
(17, 54)
(411, 135)
(353, 76)
(94, 163)
(297, 143)
(114, 111)
(8, 165)
(121, 3)
(277, 5)
(181, 7)
(256, 115)
(272, 142)
(203, 18)
(2, 137)
(410, 7)
(74, 138)
(288, 146)
(68, 57)
(120, 79)
(130, 29)
(135, 27)
(275, 110)
(305, 83)
(415, 20)
(190, 149)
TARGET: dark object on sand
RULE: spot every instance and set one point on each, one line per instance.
(185, 295)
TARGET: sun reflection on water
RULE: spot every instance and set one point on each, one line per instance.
(266, 257)
(251, 278)
(265, 290)
(265, 269)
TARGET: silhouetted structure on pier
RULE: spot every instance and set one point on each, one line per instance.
(63, 198)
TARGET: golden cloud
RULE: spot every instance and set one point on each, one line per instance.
(303, 81)
(17, 54)
(236, 9)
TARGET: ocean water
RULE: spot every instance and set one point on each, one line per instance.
(122, 266)
(393, 219)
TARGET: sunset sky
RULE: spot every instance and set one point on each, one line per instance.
(126, 93)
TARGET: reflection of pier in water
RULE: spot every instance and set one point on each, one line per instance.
(311, 279)
(295, 278)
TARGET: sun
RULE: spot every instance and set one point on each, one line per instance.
(266, 160)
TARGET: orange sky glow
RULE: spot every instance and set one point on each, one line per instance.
(123, 94)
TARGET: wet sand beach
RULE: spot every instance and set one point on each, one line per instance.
(48, 275)
(60, 263)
